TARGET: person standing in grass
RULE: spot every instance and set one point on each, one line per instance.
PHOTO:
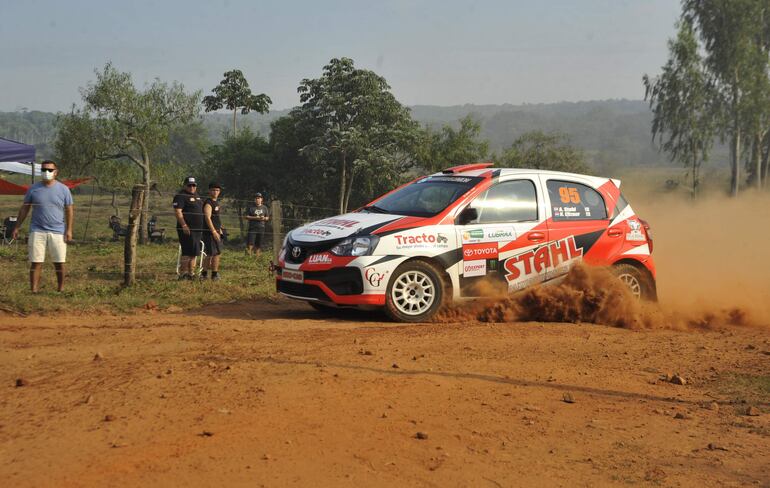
(53, 216)
(188, 208)
(212, 232)
(257, 215)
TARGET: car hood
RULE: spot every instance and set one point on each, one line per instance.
(341, 226)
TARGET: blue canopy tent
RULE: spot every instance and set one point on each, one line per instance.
(17, 157)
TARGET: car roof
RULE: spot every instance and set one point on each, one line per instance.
(475, 171)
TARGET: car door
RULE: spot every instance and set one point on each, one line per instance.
(577, 219)
(510, 223)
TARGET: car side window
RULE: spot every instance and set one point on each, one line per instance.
(508, 201)
(574, 201)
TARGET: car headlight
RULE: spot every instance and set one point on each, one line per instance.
(356, 246)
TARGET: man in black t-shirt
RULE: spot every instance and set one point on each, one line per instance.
(212, 232)
(257, 215)
(188, 208)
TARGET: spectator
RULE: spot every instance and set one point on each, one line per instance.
(212, 232)
(257, 215)
(50, 230)
(188, 208)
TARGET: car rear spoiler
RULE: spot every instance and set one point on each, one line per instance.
(467, 167)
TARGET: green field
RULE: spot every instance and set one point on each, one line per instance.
(95, 267)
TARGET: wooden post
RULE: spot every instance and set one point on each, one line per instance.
(275, 218)
(134, 217)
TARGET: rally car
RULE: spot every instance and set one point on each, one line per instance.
(436, 237)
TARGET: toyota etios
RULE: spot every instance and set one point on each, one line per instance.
(433, 239)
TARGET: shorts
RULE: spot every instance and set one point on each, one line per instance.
(211, 246)
(191, 245)
(42, 243)
(255, 238)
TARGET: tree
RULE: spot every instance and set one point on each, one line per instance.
(359, 128)
(734, 38)
(233, 93)
(449, 147)
(538, 150)
(243, 165)
(120, 122)
(680, 98)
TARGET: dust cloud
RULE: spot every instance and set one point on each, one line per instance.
(713, 270)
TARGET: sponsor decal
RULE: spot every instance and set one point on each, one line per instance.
(475, 268)
(551, 259)
(374, 277)
(473, 234)
(292, 275)
(636, 233)
(489, 234)
(487, 250)
(323, 258)
(500, 235)
(423, 240)
(336, 223)
(452, 179)
(316, 232)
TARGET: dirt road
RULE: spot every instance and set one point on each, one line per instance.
(272, 394)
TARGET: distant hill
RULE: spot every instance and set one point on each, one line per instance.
(613, 133)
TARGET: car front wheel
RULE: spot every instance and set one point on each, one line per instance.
(415, 292)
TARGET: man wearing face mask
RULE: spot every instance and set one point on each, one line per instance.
(50, 229)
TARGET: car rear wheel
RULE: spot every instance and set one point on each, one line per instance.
(415, 292)
(637, 282)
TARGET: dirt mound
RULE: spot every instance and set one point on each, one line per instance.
(588, 294)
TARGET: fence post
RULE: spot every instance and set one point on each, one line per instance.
(275, 214)
(129, 252)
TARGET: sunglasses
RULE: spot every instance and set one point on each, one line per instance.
(48, 170)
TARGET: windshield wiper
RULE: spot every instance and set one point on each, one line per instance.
(375, 209)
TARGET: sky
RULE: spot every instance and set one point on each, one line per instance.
(431, 52)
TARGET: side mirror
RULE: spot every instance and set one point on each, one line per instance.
(468, 215)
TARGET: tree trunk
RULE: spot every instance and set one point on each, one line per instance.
(735, 153)
(765, 158)
(349, 189)
(343, 178)
(235, 127)
(757, 162)
(695, 181)
(143, 237)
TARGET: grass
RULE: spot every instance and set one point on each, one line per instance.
(95, 266)
(95, 276)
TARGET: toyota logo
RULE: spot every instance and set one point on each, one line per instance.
(296, 251)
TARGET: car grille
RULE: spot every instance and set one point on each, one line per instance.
(306, 249)
(342, 281)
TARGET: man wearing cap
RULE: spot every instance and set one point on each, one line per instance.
(212, 232)
(52, 218)
(188, 208)
(257, 215)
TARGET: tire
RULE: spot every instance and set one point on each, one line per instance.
(638, 282)
(415, 292)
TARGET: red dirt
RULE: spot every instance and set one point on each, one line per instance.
(272, 394)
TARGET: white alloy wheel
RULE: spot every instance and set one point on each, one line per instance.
(413, 292)
(632, 283)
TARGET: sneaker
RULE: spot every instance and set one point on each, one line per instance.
(184, 277)
(215, 278)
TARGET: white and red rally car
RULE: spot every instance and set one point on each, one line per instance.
(436, 237)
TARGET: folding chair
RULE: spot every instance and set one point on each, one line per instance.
(118, 230)
(200, 259)
(155, 234)
(9, 224)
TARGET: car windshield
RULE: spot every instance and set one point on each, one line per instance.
(426, 197)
